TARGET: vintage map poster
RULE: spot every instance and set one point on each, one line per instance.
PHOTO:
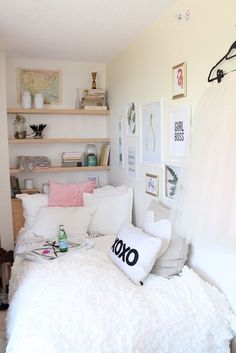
(47, 82)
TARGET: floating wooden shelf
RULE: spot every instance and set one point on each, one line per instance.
(57, 169)
(58, 111)
(59, 140)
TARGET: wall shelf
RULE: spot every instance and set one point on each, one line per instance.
(57, 169)
(59, 140)
(58, 111)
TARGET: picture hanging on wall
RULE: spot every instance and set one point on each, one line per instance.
(131, 118)
(151, 132)
(131, 164)
(179, 80)
(121, 143)
(180, 132)
(152, 185)
(47, 82)
(172, 174)
(95, 179)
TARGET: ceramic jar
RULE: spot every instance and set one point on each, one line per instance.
(26, 100)
(38, 101)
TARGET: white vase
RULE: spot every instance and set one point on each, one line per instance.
(38, 101)
(26, 100)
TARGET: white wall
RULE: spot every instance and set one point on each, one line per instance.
(144, 71)
(6, 236)
(74, 75)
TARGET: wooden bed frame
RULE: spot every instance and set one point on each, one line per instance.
(17, 216)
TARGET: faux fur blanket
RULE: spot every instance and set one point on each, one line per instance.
(83, 303)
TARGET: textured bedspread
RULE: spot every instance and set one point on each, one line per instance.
(83, 303)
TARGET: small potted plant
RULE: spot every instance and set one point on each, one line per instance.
(38, 130)
(20, 128)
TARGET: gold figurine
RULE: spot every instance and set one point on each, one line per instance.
(94, 75)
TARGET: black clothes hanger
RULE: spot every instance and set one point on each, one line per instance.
(220, 73)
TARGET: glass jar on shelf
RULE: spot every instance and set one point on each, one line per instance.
(91, 155)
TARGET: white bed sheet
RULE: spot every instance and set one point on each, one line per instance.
(84, 303)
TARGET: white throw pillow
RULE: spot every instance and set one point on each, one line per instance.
(160, 229)
(31, 204)
(112, 212)
(74, 219)
(135, 252)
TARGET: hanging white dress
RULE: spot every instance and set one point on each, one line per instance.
(207, 204)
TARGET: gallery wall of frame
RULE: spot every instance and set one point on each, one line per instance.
(156, 136)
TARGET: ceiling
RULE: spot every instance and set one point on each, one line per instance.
(81, 30)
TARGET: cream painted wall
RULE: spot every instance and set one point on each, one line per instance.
(144, 71)
(74, 75)
(6, 236)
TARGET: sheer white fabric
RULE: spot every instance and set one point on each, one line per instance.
(207, 201)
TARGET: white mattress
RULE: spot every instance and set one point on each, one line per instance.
(84, 303)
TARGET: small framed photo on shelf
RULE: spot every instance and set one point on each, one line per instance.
(172, 173)
(95, 179)
(152, 185)
(179, 80)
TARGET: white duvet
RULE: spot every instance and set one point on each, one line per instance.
(82, 303)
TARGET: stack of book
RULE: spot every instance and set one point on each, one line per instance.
(72, 159)
(104, 158)
(94, 99)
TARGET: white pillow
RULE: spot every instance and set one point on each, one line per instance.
(112, 212)
(160, 229)
(74, 219)
(135, 252)
(31, 204)
(109, 189)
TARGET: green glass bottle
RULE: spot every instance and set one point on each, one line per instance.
(62, 239)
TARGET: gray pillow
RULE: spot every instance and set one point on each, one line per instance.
(173, 260)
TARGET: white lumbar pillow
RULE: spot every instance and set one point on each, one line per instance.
(160, 229)
(109, 189)
(135, 252)
(112, 212)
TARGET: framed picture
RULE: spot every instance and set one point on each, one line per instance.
(152, 185)
(121, 143)
(47, 82)
(180, 132)
(179, 80)
(131, 164)
(131, 118)
(151, 132)
(95, 179)
(172, 174)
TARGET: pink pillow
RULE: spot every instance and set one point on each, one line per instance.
(62, 194)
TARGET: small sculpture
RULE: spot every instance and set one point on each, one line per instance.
(94, 75)
(20, 128)
(38, 130)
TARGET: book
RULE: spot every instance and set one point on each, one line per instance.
(104, 155)
(94, 107)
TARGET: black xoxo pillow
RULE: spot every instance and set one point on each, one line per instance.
(135, 252)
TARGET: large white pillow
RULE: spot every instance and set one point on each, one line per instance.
(112, 212)
(74, 219)
(160, 229)
(135, 252)
(31, 204)
(109, 189)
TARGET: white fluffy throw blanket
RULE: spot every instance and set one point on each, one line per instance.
(83, 303)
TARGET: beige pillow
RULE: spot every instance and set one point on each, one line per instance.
(173, 260)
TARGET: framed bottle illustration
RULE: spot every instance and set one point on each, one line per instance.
(151, 136)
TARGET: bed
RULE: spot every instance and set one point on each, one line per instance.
(84, 302)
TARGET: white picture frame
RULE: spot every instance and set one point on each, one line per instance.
(94, 178)
(152, 184)
(152, 132)
(180, 124)
(132, 161)
(132, 118)
(120, 127)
